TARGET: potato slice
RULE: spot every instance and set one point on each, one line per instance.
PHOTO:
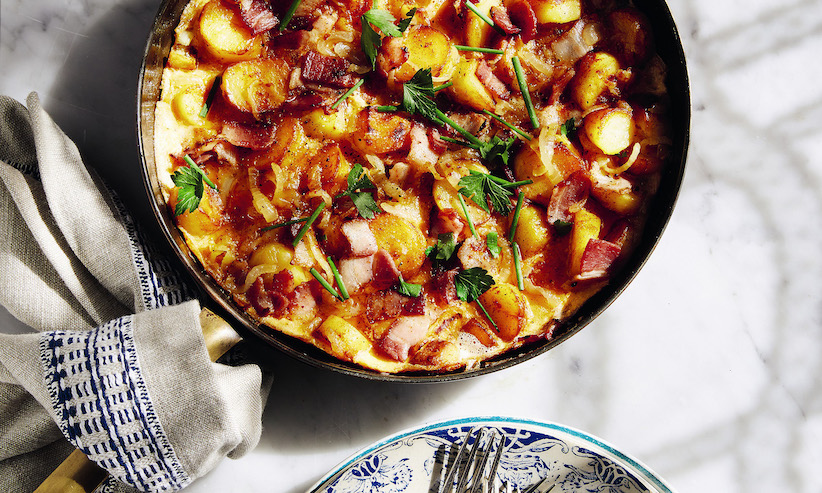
(631, 33)
(477, 31)
(611, 130)
(508, 308)
(420, 47)
(468, 89)
(256, 86)
(380, 133)
(402, 240)
(595, 72)
(532, 230)
(586, 226)
(345, 340)
(225, 35)
(556, 11)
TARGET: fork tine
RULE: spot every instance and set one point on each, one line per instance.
(466, 472)
(494, 435)
(452, 470)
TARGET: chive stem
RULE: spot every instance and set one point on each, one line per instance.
(467, 217)
(515, 129)
(480, 50)
(513, 231)
(325, 283)
(469, 136)
(308, 222)
(215, 86)
(443, 86)
(347, 93)
(523, 87)
(473, 8)
(338, 279)
(510, 184)
(386, 109)
(488, 315)
(289, 14)
(455, 141)
(193, 165)
(518, 266)
(287, 223)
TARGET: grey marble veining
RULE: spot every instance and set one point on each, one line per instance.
(708, 368)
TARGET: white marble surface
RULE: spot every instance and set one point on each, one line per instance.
(708, 368)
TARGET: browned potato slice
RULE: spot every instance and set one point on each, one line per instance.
(256, 86)
(420, 47)
(477, 31)
(225, 35)
(595, 72)
(380, 133)
(345, 340)
(630, 34)
(532, 230)
(468, 89)
(587, 225)
(611, 130)
(508, 308)
(556, 11)
(402, 240)
(328, 170)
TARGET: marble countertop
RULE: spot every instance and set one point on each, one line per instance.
(708, 368)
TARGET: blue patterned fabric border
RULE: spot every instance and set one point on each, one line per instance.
(102, 405)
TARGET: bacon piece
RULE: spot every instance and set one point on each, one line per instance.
(360, 238)
(492, 82)
(435, 141)
(328, 70)
(257, 16)
(500, 17)
(522, 15)
(597, 258)
(420, 152)
(444, 287)
(356, 271)
(569, 192)
(618, 234)
(385, 271)
(448, 221)
(255, 135)
(404, 334)
(303, 303)
(269, 295)
(393, 53)
(558, 87)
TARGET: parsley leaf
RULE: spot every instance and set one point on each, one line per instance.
(483, 188)
(562, 227)
(190, 188)
(363, 201)
(491, 240)
(370, 40)
(409, 289)
(569, 128)
(445, 247)
(417, 94)
(471, 283)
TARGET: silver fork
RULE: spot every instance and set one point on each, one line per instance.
(471, 461)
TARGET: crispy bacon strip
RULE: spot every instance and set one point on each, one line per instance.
(327, 70)
(360, 238)
(255, 135)
(500, 17)
(492, 82)
(386, 273)
(404, 333)
(257, 15)
(597, 258)
(522, 15)
(571, 191)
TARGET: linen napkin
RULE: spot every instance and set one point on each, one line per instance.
(116, 364)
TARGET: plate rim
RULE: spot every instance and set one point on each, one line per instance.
(636, 466)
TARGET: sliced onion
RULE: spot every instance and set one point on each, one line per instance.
(571, 46)
(259, 200)
(627, 164)
(257, 271)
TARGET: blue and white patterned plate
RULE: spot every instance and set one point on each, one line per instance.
(563, 458)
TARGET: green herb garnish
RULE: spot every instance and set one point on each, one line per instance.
(492, 242)
(513, 231)
(325, 283)
(370, 40)
(467, 216)
(518, 266)
(483, 188)
(523, 87)
(347, 93)
(287, 223)
(357, 182)
(408, 289)
(338, 279)
(289, 14)
(470, 284)
(444, 249)
(480, 50)
(473, 8)
(215, 86)
(569, 128)
(189, 182)
(513, 128)
(562, 227)
(308, 223)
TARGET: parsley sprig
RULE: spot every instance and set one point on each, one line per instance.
(408, 288)
(189, 182)
(471, 284)
(383, 20)
(358, 182)
(483, 188)
(444, 249)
